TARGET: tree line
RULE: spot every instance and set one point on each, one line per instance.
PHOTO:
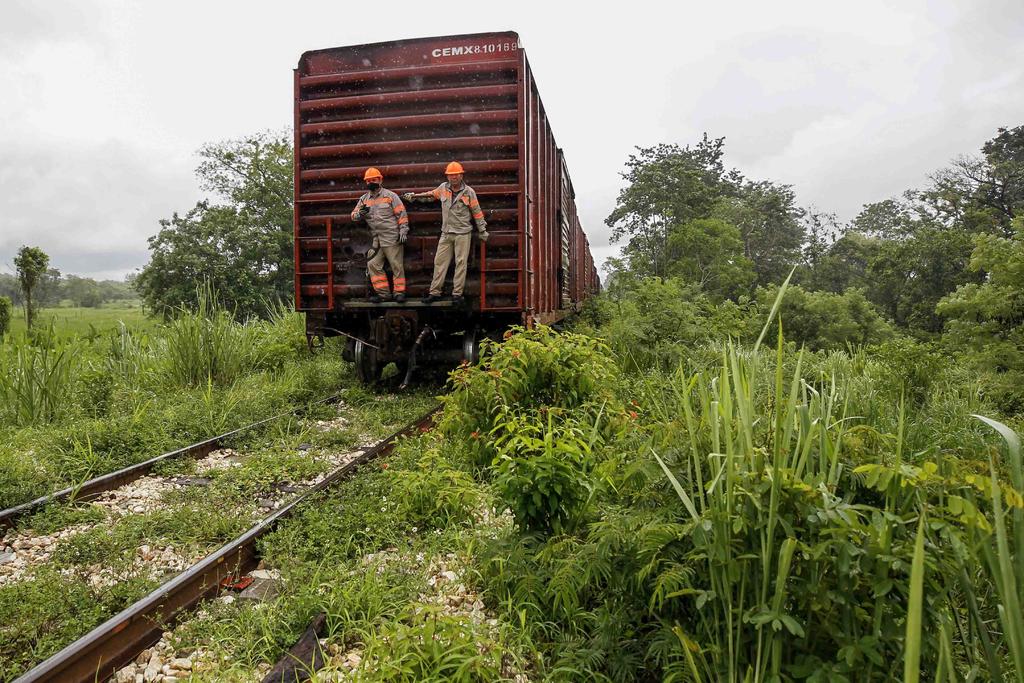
(941, 265)
(36, 285)
(54, 288)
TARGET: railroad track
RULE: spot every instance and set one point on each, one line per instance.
(99, 654)
(94, 488)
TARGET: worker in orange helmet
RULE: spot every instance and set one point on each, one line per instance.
(383, 212)
(459, 211)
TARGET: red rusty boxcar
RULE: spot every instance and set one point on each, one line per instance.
(408, 108)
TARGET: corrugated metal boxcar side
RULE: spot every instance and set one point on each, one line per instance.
(409, 107)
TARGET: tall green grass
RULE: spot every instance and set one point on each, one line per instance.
(35, 380)
(207, 344)
(132, 392)
(1004, 559)
(771, 515)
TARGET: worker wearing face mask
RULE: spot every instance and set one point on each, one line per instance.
(383, 212)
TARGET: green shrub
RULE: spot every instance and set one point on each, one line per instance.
(433, 494)
(657, 322)
(97, 387)
(22, 479)
(908, 367)
(429, 646)
(543, 468)
(533, 369)
(5, 315)
(823, 320)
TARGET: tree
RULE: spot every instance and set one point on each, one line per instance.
(902, 256)
(669, 186)
(243, 245)
(769, 223)
(31, 263)
(986, 319)
(843, 265)
(211, 245)
(82, 291)
(10, 288)
(981, 194)
(709, 253)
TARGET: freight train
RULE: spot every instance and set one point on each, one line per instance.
(409, 108)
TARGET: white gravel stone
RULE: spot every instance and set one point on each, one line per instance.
(265, 574)
(182, 664)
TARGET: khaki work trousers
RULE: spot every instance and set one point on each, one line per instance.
(395, 255)
(448, 244)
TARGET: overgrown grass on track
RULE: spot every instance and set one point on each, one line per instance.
(193, 520)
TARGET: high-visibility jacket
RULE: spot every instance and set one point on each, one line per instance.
(459, 209)
(387, 215)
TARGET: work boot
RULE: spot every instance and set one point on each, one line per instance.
(400, 297)
(377, 298)
(458, 300)
(430, 298)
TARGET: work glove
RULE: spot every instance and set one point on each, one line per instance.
(403, 235)
(484, 235)
(364, 211)
(408, 196)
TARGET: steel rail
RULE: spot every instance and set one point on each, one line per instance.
(98, 655)
(93, 488)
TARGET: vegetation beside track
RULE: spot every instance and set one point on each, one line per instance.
(757, 513)
(72, 408)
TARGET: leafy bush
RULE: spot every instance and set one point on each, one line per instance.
(532, 412)
(433, 494)
(788, 527)
(533, 369)
(908, 367)
(656, 323)
(543, 467)
(823, 320)
(5, 315)
(97, 385)
(434, 647)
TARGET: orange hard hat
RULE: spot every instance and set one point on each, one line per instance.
(453, 168)
(372, 173)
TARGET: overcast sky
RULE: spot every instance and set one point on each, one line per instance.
(103, 103)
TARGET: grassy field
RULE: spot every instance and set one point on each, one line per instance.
(77, 403)
(75, 321)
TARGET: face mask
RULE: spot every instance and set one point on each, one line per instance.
(373, 186)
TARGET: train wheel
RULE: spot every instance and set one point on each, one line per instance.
(470, 347)
(367, 369)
